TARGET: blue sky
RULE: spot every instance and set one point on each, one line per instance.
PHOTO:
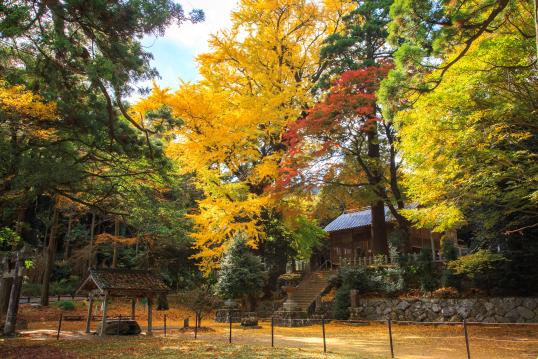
(174, 53)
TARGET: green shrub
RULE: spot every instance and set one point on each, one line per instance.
(64, 286)
(65, 305)
(485, 270)
(365, 280)
(341, 303)
(427, 271)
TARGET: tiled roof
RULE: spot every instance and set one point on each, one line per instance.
(127, 279)
(354, 220)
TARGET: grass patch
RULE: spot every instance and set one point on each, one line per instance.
(126, 347)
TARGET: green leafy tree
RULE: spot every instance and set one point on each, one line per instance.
(470, 144)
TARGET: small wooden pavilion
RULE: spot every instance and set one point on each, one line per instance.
(106, 283)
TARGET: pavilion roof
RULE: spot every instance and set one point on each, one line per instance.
(123, 282)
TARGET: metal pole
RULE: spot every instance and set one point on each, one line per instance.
(230, 320)
(59, 326)
(165, 325)
(272, 332)
(466, 339)
(323, 330)
(389, 323)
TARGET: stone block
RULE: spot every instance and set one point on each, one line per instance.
(403, 305)
(448, 312)
(530, 303)
(512, 315)
(121, 327)
(525, 312)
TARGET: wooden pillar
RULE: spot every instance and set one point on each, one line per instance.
(103, 322)
(150, 327)
(89, 319)
(432, 244)
(133, 306)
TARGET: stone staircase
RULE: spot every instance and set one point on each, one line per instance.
(311, 287)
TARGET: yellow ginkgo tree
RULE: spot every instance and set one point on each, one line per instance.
(257, 78)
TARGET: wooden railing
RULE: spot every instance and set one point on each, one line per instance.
(383, 260)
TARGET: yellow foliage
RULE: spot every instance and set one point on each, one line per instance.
(455, 138)
(256, 79)
(109, 238)
(26, 112)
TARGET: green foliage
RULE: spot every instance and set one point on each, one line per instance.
(475, 264)
(9, 239)
(341, 303)
(65, 305)
(388, 281)
(241, 273)
(464, 99)
(306, 237)
(361, 43)
(427, 271)
(64, 286)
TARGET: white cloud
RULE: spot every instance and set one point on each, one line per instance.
(175, 53)
(195, 36)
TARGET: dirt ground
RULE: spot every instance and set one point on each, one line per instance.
(342, 339)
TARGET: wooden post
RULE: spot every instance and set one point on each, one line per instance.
(272, 332)
(90, 308)
(323, 331)
(466, 339)
(432, 244)
(389, 323)
(150, 314)
(230, 320)
(165, 325)
(133, 308)
(103, 320)
(59, 326)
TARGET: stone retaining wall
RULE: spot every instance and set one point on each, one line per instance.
(492, 310)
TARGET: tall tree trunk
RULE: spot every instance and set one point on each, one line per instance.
(5, 291)
(49, 258)
(92, 233)
(114, 244)
(379, 243)
(6, 282)
(11, 316)
(535, 3)
(68, 237)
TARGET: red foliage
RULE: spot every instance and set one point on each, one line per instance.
(350, 106)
